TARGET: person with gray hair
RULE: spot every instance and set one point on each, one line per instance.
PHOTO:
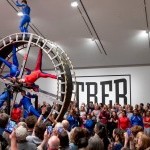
(18, 140)
(65, 124)
(95, 143)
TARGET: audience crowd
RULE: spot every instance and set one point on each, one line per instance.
(88, 127)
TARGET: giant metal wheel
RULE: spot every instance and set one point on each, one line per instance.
(62, 64)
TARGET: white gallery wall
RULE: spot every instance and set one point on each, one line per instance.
(140, 80)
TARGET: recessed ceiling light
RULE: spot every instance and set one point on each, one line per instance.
(20, 14)
(74, 4)
(93, 39)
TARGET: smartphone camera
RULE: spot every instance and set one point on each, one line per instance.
(49, 129)
(60, 129)
(129, 131)
(10, 126)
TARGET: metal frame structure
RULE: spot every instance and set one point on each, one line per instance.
(59, 59)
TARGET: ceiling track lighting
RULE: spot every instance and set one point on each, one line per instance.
(94, 35)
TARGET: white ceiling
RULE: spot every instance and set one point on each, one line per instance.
(120, 25)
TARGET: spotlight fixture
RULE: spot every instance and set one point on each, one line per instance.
(20, 14)
(74, 3)
(93, 39)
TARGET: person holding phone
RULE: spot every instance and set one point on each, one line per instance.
(10, 126)
(18, 140)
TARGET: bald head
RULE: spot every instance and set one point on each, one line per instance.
(53, 143)
(65, 124)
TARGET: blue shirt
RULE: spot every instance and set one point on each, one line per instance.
(137, 120)
(89, 124)
(72, 122)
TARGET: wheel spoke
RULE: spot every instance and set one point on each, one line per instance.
(25, 57)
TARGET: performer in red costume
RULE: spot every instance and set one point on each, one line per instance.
(37, 73)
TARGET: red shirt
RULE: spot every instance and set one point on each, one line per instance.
(31, 78)
(16, 114)
(123, 123)
(104, 116)
(146, 119)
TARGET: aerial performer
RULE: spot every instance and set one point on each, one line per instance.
(14, 71)
(4, 97)
(27, 105)
(37, 73)
(25, 18)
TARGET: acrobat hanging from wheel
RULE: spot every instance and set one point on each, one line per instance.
(31, 77)
(14, 66)
(27, 105)
(25, 18)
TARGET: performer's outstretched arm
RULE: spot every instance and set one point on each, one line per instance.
(20, 5)
(8, 64)
(31, 95)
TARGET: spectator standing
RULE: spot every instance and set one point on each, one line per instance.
(16, 113)
(146, 121)
(123, 121)
(136, 119)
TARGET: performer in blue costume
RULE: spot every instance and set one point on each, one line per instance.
(14, 71)
(25, 18)
(4, 97)
(27, 105)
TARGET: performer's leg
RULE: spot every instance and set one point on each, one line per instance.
(26, 27)
(46, 75)
(3, 98)
(15, 59)
(34, 111)
(39, 61)
(23, 21)
(25, 113)
(21, 25)
(8, 64)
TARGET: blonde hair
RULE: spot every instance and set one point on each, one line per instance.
(145, 142)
